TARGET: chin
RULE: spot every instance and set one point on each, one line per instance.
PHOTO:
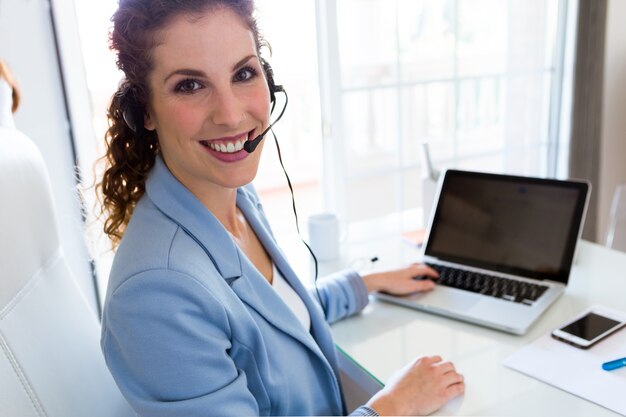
(240, 180)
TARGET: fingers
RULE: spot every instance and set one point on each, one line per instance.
(454, 390)
(445, 367)
(424, 270)
(428, 359)
(419, 286)
(453, 382)
(422, 387)
(453, 378)
(431, 272)
(402, 281)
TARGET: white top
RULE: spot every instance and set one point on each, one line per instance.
(291, 298)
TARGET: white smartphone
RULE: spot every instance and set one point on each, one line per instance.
(589, 328)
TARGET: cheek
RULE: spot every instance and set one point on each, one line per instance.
(184, 116)
(171, 113)
(260, 105)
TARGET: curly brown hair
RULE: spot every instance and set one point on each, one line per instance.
(130, 149)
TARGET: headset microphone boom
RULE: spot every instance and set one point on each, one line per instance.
(250, 145)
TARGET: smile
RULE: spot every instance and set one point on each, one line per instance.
(226, 145)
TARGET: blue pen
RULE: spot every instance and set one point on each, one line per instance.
(616, 364)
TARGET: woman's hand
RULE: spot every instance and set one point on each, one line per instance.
(419, 388)
(402, 281)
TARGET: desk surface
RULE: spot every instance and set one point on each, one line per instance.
(385, 337)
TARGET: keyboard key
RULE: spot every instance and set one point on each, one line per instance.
(498, 287)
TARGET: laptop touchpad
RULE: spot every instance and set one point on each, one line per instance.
(449, 299)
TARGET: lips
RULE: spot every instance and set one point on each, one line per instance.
(227, 145)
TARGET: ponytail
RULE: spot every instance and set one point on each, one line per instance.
(129, 158)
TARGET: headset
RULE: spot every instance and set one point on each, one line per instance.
(250, 145)
(133, 113)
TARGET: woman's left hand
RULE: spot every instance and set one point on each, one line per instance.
(402, 281)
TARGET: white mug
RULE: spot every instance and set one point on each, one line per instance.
(324, 236)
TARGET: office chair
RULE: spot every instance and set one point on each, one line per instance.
(50, 359)
(616, 236)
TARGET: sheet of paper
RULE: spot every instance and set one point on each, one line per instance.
(575, 370)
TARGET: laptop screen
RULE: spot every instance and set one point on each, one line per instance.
(516, 225)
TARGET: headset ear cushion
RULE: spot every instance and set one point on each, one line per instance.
(269, 75)
(129, 119)
(132, 112)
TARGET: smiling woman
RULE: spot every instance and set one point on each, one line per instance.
(203, 313)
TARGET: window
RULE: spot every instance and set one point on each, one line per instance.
(478, 80)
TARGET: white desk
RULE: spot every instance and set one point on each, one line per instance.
(385, 337)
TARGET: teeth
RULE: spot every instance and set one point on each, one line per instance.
(230, 147)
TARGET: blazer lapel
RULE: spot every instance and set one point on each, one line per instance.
(261, 296)
(320, 339)
(254, 290)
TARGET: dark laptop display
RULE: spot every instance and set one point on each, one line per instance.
(515, 225)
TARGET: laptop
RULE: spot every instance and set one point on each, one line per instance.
(503, 246)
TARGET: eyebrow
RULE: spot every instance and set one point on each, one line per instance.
(196, 73)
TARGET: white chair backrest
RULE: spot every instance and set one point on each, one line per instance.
(616, 236)
(50, 359)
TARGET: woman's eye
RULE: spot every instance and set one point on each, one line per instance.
(245, 74)
(188, 86)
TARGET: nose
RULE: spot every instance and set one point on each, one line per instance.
(229, 110)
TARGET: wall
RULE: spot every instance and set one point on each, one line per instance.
(613, 148)
(27, 44)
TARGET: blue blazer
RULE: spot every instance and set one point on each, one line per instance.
(191, 328)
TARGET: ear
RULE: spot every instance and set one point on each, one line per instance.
(148, 121)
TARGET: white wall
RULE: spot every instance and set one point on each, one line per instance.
(26, 43)
(613, 149)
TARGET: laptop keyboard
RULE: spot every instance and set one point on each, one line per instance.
(498, 287)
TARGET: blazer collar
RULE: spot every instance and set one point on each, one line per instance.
(180, 205)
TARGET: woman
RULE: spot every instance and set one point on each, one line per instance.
(192, 323)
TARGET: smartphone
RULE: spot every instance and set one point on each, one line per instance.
(588, 329)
